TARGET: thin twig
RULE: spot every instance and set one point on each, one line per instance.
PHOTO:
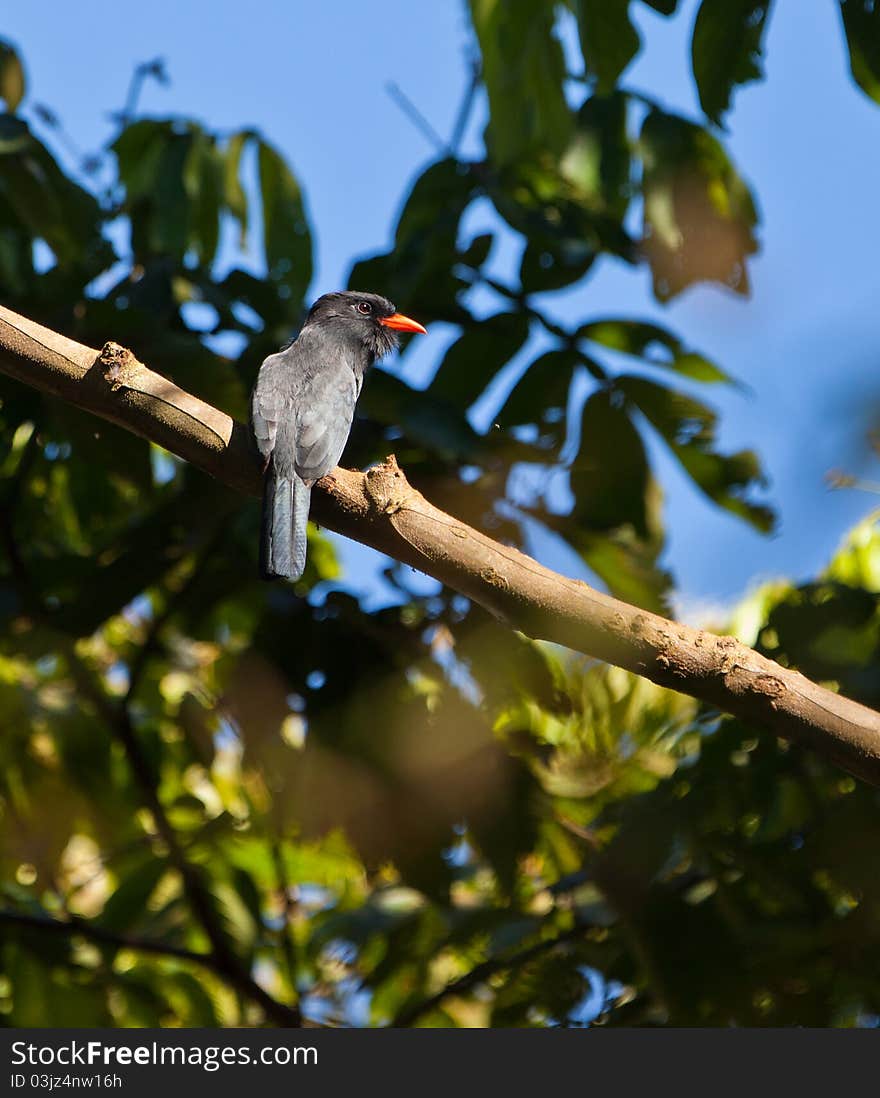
(118, 718)
(226, 962)
(481, 972)
(94, 933)
(416, 117)
(288, 908)
(464, 110)
(142, 72)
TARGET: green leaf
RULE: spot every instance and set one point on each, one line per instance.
(126, 906)
(541, 395)
(664, 7)
(14, 135)
(139, 150)
(598, 162)
(12, 81)
(172, 174)
(688, 427)
(45, 203)
(653, 345)
(699, 214)
(524, 72)
(199, 1009)
(608, 39)
(142, 993)
(569, 211)
(170, 209)
(857, 561)
(277, 312)
(243, 883)
(829, 630)
(430, 422)
(420, 271)
(861, 24)
(628, 567)
(571, 208)
(286, 237)
(235, 915)
(44, 994)
(726, 50)
(202, 181)
(546, 267)
(476, 357)
(437, 200)
(610, 476)
(85, 755)
(505, 837)
(477, 252)
(233, 191)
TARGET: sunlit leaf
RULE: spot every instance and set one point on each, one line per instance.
(126, 905)
(286, 235)
(12, 81)
(688, 428)
(626, 564)
(524, 70)
(829, 631)
(699, 215)
(233, 191)
(653, 345)
(597, 162)
(202, 182)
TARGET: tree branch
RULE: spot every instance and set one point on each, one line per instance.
(409, 1015)
(223, 958)
(382, 510)
(94, 933)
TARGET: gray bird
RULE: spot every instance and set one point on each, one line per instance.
(302, 408)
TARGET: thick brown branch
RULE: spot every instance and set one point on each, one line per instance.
(382, 510)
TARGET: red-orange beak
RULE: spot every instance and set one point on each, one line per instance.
(402, 323)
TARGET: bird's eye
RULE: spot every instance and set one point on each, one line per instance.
(364, 307)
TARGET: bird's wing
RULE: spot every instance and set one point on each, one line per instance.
(324, 412)
(269, 403)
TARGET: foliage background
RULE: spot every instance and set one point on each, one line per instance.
(361, 795)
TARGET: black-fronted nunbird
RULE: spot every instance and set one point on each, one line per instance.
(302, 409)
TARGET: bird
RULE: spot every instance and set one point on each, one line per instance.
(302, 407)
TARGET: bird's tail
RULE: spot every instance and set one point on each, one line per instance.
(285, 525)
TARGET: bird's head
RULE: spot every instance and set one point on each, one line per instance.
(368, 319)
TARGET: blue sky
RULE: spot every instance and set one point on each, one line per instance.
(313, 78)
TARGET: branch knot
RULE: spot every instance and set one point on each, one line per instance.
(118, 364)
(387, 488)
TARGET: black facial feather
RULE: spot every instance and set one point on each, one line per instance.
(345, 314)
